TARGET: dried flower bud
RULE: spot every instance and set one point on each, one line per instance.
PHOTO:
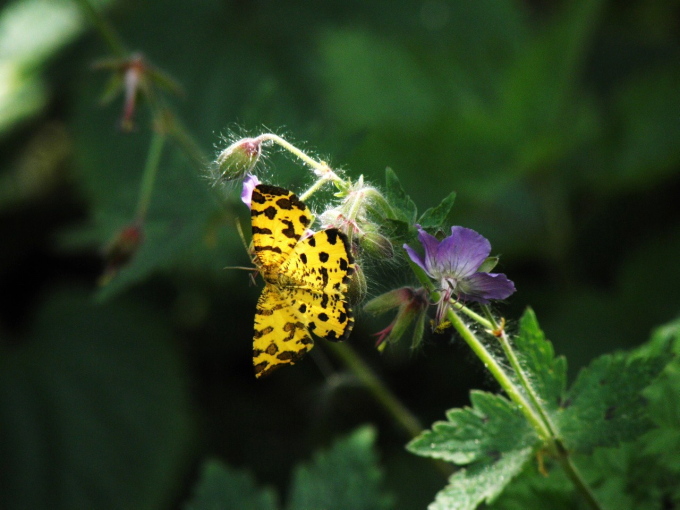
(239, 159)
(411, 306)
(120, 251)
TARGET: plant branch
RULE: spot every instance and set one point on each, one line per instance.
(106, 31)
(499, 374)
(377, 388)
(153, 159)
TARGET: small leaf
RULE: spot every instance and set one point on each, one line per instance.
(344, 477)
(547, 373)
(605, 406)
(223, 487)
(405, 207)
(491, 427)
(471, 486)
(438, 217)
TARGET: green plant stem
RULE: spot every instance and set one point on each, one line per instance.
(577, 478)
(474, 316)
(104, 28)
(556, 444)
(521, 375)
(149, 176)
(321, 168)
(499, 374)
(377, 388)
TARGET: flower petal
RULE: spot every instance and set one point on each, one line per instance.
(415, 257)
(461, 254)
(249, 184)
(431, 245)
(482, 287)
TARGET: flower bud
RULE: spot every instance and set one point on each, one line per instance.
(357, 286)
(377, 245)
(239, 159)
(389, 300)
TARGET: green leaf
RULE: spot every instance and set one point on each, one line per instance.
(222, 487)
(404, 207)
(438, 217)
(492, 437)
(344, 477)
(469, 487)
(93, 410)
(605, 406)
(491, 427)
(663, 397)
(548, 374)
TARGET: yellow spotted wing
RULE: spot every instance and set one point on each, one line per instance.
(305, 280)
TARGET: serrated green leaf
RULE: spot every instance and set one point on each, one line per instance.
(346, 477)
(438, 216)
(479, 483)
(492, 426)
(404, 207)
(663, 397)
(93, 410)
(222, 487)
(605, 406)
(547, 373)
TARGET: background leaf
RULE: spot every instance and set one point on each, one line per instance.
(605, 406)
(85, 366)
(223, 487)
(345, 477)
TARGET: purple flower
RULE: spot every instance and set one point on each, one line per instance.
(454, 263)
(249, 184)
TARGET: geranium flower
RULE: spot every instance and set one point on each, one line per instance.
(249, 184)
(454, 264)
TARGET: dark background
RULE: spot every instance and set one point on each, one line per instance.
(557, 123)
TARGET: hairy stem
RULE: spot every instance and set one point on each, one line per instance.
(556, 444)
(321, 168)
(499, 374)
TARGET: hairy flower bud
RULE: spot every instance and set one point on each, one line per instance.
(239, 159)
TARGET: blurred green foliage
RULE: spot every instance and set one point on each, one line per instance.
(555, 123)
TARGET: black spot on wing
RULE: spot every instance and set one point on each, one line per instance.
(269, 212)
(312, 242)
(332, 235)
(289, 231)
(257, 197)
(323, 317)
(323, 256)
(268, 189)
(259, 230)
(303, 258)
(275, 249)
(324, 276)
